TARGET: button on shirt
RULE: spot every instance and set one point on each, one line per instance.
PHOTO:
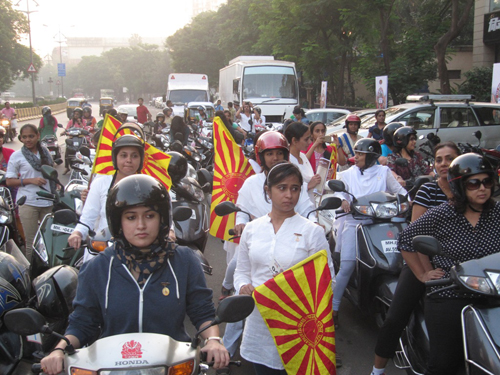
(19, 166)
(261, 250)
(457, 236)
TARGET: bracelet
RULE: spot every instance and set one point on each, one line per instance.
(61, 349)
(22, 184)
(213, 338)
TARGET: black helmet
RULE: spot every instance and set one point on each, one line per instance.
(178, 166)
(160, 114)
(79, 110)
(389, 130)
(46, 111)
(401, 136)
(465, 166)
(127, 140)
(87, 109)
(14, 283)
(55, 290)
(371, 148)
(138, 190)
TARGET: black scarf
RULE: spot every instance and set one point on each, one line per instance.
(36, 163)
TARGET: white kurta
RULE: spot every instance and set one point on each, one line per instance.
(260, 250)
(306, 170)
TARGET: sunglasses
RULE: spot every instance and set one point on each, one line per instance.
(475, 183)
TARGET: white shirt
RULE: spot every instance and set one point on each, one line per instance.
(244, 122)
(251, 199)
(94, 210)
(374, 179)
(306, 170)
(19, 167)
(261, 121)
(261, 249)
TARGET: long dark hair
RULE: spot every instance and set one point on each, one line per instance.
(295, 130)
(279, 172)
(451, 145)
(43, 156)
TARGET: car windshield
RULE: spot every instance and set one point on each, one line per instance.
(269, 82)
(319, 116)
(179, 97)
(74, 103)
(106, 101)
(131, 111)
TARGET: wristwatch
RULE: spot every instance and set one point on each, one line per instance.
(219, 339)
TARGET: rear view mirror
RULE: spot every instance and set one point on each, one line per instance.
(336, 185)
(330, 203)
(24, 321)
(225, 208)
(49, 173)
(427, 245)
(182, 213)
(66, 217)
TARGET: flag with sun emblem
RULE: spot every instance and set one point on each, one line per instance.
(297, 308)
(231, 169)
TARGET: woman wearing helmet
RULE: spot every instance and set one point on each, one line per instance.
(48, 123)
(143, 282)
(365, 177)
(76, 119)
(77, 122)
(168, 115)
(88, 119)
(159, 125)
(127, 156)
(405, 142)
(347, 140)
(467, 228)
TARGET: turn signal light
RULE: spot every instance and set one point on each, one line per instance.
(185, 368)
(99, 245)
(81, 371)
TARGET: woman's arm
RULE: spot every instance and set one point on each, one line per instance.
(53, 364)
(242, 274)
(16, 182)
(417, 211)
(216, 352)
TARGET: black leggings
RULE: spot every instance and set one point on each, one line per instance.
(443, 319)
(408, 293)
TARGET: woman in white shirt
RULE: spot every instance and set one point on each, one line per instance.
(127, 156)
(24, 171)
(299, 137)
(269, 245)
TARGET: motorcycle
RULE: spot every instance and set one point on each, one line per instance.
(9, 133)
(50, 243)
(134, 353)
(193, 233)
(374, 280)
(206, 146)
(76, 138)
(8, 224)
(480, 319)
(81, 165)
(50, 141)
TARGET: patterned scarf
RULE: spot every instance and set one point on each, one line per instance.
(144, 261)
(36, 163)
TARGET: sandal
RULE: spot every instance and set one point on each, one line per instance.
(225, 293)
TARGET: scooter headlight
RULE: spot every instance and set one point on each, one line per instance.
(5, 122)
(5, 216)
(478, 284)
(40, 248)
(384, 210)
(495, 279)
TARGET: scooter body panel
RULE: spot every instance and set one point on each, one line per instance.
(195, 229)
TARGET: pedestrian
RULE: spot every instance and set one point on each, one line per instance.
(218, 106)
(143, 114)
(376, 131)
(24, 172)
(168, 115)
(232, 111)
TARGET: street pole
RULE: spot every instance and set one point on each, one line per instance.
(31, 48)
(60, 59)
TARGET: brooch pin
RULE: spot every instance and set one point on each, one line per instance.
(297, 237)
(165, 290)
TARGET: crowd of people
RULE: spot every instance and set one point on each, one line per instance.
(456, 208)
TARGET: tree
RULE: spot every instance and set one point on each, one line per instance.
(14, 57)
(460, 10)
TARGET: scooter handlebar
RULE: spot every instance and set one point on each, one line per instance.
(45, 194)
(36, 368)
(440, 282)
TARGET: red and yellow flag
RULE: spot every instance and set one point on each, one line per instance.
(155, 161)
(297, 308)
(333, 162)
(231, 169)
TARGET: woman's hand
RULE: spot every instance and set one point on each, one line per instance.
(315, 180)
(84, 194)
(53, 364)
(247, 289)
(346, 206)
(75, 239)
(336, 140)
(436, 274)
(171, 235)
(238, 230)
(319, 141)
(401, 181)
(217, 353)
(38, 181)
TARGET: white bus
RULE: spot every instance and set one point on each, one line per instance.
(270, 84)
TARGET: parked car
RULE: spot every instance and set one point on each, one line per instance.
(453, 117)
(325, 115)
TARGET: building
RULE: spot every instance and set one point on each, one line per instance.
(486, 33)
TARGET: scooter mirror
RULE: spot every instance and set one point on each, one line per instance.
(66, 217)
(182, 213)
(427, 245)
(330, 203)
(49, 172)
(336, 185)
(21, 200)
(401, 162)
(59, 125)
(58, 161)
(430, 136)
(225, 208)
(85, 151)
(478, 135)
(178, 136)
(24, 321)
(233, 309)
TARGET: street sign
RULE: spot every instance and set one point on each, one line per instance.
(61, 70)
(31, 68)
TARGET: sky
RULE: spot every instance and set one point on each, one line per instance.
(102, 18)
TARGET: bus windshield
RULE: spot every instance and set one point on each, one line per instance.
(180, 97)
(269, 82)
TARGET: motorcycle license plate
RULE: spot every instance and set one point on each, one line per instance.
(53, 153)
(390, 246)
(62, 228)
(76, 143)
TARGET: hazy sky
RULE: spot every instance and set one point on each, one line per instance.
(107, 18)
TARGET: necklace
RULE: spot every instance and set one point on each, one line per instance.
(473, 209)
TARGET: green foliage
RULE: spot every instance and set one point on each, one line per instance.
(40, 103)
(477, 83)
(14, 57)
